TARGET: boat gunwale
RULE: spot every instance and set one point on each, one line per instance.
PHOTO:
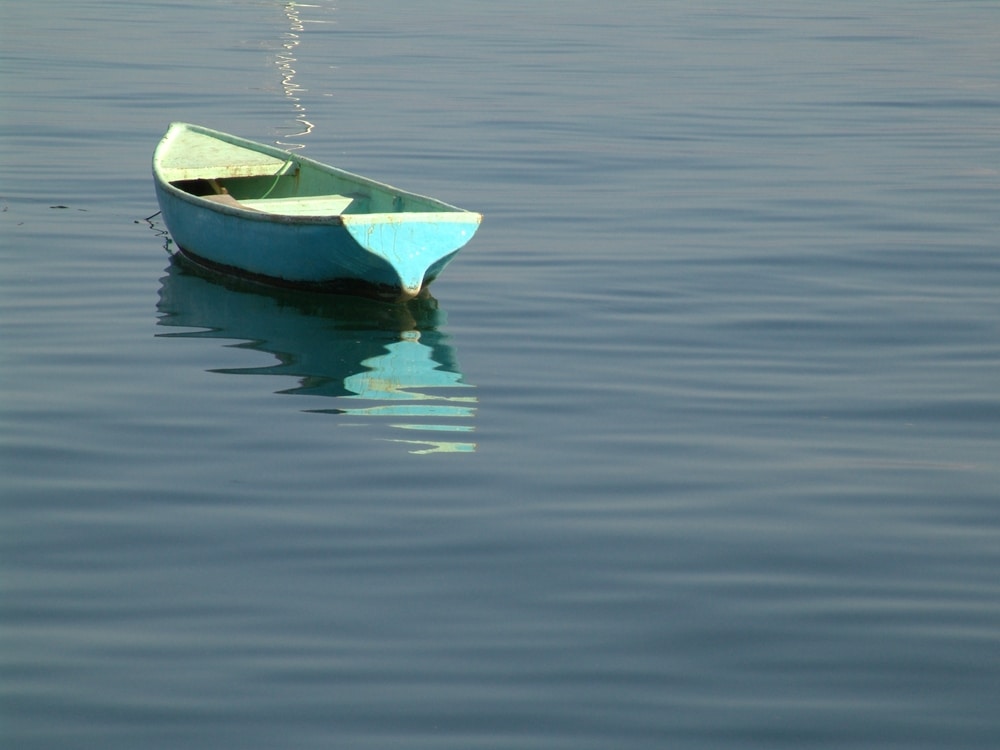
(250, 214)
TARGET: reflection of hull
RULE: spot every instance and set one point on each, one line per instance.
(381, 359)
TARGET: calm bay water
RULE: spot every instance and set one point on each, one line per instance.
(697, 445)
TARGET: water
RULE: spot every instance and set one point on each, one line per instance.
(697, 446)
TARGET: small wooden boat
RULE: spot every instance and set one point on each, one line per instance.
(260, 212)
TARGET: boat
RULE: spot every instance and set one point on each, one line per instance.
(259, 212)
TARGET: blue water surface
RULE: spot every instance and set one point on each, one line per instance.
(696, 445)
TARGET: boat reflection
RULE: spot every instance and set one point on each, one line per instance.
(378, 360)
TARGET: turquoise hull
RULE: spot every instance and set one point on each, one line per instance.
(260, 212)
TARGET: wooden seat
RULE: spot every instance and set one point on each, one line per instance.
(227, 200)
(305, 205)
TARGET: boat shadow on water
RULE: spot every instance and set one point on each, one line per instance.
(379, 360)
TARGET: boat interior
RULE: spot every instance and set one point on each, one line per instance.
(269, 195)
(303, 193)
(250, 176)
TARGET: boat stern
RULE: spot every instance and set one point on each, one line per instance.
(414, 245)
